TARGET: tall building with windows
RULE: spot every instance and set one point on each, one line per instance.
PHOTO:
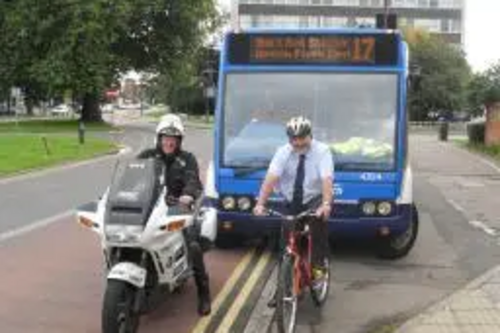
(442, 17)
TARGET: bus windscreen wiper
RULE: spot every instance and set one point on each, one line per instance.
(244, 171)
(243, 168)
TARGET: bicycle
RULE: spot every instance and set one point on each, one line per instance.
(295, 270)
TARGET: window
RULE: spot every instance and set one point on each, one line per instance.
(330, 21)
(355, 114)
(428, 24)
(445, 25)
(423, 3)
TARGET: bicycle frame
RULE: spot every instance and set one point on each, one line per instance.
(302, 261)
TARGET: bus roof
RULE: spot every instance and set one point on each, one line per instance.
(305, 31)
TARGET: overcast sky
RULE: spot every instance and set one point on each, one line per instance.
(482, 25)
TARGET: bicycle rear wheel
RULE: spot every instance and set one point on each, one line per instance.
(286, 301)
(320, 289)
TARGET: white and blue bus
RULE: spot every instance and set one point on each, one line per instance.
(352, 83)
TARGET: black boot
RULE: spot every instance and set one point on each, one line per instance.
(204, 302)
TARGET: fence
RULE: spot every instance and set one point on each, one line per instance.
(456, 128)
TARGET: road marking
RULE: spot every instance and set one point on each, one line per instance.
(223, 294)
(240, 301)
(14, 233)
(456, 205)
(481, 225)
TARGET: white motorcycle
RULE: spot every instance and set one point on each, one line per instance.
(143, 241)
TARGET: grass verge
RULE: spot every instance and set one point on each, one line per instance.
(491, 151)
(21, 153)
(51, 126)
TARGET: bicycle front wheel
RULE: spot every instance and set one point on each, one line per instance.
(286, 300)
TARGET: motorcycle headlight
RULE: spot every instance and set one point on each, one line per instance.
(369, 208)
(244, 203)
(384, 208)
(123, 233)
(228, 203)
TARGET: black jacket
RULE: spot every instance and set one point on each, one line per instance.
(182, 175)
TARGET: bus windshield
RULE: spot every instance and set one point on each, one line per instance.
(355, 114)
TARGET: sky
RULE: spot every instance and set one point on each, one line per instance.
(482, 24)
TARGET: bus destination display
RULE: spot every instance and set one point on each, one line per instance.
(275, 49)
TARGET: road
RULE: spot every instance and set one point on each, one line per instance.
(53, 280)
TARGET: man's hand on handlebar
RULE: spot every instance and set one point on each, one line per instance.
(260, 210)
(324, 211)
(184, 202)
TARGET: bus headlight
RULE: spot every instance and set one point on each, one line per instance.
(244, 203)
(228, 203)
(369, 208)
(384, 208)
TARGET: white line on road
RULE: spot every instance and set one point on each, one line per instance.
(14, 233)
(480, 225)
(456, 205)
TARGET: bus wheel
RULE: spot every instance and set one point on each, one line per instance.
(399, 246)
(228, 241)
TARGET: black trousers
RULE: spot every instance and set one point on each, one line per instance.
(318, 227)
(195, 253)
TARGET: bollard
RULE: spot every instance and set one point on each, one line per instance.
(81, 132)
(443, 130)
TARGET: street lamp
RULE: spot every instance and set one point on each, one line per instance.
(387, 5)
(208, 89)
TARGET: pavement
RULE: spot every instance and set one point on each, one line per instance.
(471, 184)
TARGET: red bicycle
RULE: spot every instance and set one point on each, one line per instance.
(295, 270)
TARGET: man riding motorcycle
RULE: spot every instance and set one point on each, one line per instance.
(183, 184)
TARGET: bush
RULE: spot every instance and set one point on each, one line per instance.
(476, 132)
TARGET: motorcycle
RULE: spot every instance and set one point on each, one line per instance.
(143, 239)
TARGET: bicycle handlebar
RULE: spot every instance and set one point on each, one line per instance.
(308, 212)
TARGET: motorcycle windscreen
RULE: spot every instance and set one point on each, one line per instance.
(134, 191)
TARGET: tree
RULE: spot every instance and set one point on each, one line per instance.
(83, 45)
(445, 75)
(484, 89)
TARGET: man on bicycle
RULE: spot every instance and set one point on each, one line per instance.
(302, 171)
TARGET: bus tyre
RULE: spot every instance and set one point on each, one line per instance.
(228, 241)
(399, 246)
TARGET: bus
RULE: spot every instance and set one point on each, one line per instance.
(352, 84)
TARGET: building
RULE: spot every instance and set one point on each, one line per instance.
(442, 17)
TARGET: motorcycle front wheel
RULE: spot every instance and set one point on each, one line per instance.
(118, 315)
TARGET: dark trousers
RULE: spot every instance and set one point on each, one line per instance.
(195, 252)
(318, 228)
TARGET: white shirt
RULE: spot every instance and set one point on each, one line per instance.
(317, 166)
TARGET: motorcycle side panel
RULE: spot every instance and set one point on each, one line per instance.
(209, 224)
(169, 254)
(129, 272)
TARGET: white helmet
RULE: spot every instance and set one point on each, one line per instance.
(298, 126)
(170, 125)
